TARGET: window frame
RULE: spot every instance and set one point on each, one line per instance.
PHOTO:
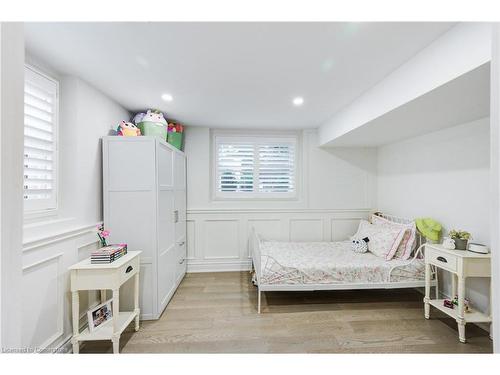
(255, 138)
(52, 206)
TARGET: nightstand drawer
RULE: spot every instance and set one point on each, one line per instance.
(128, 270)
(446, 261)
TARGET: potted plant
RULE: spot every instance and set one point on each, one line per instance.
(461, 238)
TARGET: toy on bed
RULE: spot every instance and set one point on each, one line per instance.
(360, 245)
(127, 129)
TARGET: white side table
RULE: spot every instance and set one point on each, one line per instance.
(461, 264)
(87, 276)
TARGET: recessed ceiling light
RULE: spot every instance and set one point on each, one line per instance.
(298, 101)
(167, 97)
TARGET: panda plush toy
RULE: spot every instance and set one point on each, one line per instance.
(360, 245)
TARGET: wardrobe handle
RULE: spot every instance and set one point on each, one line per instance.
(442, 259)
(182, 243)
(176, 216)
(181, 261)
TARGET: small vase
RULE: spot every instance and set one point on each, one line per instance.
(460, 244)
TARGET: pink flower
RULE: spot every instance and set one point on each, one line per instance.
(105, 233)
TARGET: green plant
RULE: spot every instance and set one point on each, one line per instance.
(460, 234)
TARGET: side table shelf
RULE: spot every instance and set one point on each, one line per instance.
(461, 264)
(103, 277)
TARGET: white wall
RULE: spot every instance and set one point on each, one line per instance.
(86, 115)
(461, 49)
(443, 175)
(333, 178)
(11, 202)
(495, 183)
(338, 189)
(52, 243)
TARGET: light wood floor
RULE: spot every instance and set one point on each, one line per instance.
(216, 313)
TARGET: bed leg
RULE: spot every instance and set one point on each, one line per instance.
(258, 300)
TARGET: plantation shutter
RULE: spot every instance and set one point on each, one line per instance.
(254, 167)
(235, 167)
(40, 147)
(277, 168)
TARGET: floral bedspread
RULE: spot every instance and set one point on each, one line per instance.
(330, 263)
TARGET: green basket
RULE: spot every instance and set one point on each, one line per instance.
(175, 139)
(154, 129)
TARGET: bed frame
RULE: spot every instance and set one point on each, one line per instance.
(257, 268)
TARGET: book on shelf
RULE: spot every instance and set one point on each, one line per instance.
(108, 254)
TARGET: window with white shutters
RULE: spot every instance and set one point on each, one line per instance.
(253, 167)
(40, 141)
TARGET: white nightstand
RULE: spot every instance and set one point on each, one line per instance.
(87, 276)
(461, 264)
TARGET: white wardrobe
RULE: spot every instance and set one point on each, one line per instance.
(144, 192)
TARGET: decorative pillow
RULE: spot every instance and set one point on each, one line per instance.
(408, 242)
(383, 241)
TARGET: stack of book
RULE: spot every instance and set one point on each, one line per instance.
(108, 254)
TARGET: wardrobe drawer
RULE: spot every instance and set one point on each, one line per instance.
(128, 270)
(446, 261)
(181, 260)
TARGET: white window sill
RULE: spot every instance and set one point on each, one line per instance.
(44, 229)
(239, 198)
(31, 217)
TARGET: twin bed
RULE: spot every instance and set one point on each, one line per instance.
(308, 266)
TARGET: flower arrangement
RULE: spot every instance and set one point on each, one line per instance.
(102, 234)
(461, 238)
(460, 234)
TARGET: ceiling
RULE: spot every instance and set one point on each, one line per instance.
(232, 75)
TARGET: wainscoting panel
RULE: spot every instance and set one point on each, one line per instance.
(191, 239)
(306, 230)
(342, 229)
(42, 291)
(221, 239)
(267, 228)
(46, 287)
(217, 239)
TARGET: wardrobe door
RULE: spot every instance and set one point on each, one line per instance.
(180, 196)
(165, 165)
(180, 234)
(181, 266)
(166, 247)
(180, 171)
(167, 250)
(180, 208)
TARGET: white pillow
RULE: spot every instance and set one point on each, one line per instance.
(408, 242)
(383, 241)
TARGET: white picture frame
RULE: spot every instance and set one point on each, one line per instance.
(100, 315)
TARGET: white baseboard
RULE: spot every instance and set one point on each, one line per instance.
(195, 266)
(66, 346)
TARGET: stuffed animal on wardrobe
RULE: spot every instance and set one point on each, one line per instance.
(153, 116)
(127, 129)
(360, 245)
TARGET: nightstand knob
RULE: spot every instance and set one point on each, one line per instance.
(442, 259)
